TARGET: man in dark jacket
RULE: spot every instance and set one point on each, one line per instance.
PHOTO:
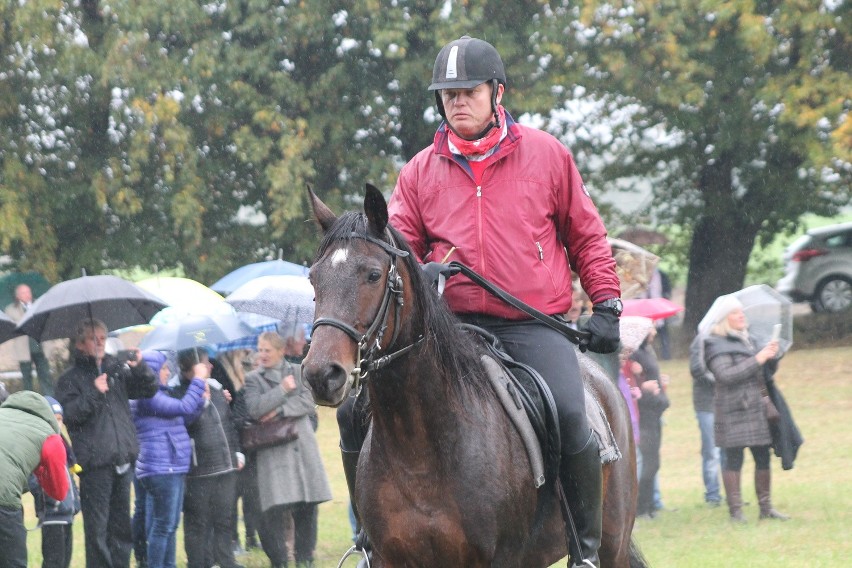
(211, 484)
(95, 395)
(703, 391)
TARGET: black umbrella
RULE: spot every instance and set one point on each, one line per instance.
(116, 302)
(196, 331)
(7, 328)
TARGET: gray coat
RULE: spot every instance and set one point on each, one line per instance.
(291, 472)
(739, 409)
(703, 381)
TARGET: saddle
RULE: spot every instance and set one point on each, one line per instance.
(529, 403)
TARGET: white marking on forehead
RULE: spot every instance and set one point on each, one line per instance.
(339, 256)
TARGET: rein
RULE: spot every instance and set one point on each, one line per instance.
(368, 361)
(573, 335)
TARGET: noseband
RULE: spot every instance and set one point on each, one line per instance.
(368, 361)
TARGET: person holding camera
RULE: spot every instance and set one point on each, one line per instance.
(95, 393)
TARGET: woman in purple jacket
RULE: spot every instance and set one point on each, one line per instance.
(164, 455)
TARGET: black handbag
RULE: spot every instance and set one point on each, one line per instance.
(260, 435)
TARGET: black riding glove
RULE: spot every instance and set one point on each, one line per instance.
(433, 270)
(603, 327)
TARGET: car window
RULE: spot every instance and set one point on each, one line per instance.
(838, 241)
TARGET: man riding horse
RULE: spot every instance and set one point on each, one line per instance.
(508, 201)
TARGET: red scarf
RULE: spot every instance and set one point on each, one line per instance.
(481, 145)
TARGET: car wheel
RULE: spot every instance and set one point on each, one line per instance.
(835, 294)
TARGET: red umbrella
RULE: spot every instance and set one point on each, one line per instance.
(654, 308)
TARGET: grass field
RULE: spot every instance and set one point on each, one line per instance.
(817, 493)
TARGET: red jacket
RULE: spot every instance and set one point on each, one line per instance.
(513, 229)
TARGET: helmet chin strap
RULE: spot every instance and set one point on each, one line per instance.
(493, 124)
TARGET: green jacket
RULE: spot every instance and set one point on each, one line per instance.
(26, 421)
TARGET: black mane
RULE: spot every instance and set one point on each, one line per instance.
(456, 352)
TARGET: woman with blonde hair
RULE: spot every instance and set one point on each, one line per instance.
(742, 372)
(291, 477)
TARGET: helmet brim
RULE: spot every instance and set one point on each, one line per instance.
(456, 85)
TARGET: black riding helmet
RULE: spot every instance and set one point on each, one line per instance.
(463, 64)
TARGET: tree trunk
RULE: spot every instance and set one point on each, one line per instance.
(718, 255)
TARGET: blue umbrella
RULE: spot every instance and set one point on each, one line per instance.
(240, 276)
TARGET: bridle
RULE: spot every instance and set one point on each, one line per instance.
(371, 340)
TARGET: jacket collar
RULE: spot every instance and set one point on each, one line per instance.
(441, 142)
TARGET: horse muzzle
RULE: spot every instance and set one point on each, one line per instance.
(329, 381)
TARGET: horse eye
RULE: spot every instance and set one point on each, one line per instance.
(374, 276)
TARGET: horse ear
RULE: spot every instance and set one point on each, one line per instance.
(322, 213)
(376, 209)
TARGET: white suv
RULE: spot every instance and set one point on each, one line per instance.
(818, 269)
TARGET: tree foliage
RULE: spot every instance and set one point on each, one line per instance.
(183, 134)
(737, 116)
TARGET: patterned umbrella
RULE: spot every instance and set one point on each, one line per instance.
(289, 299)
(634, 266)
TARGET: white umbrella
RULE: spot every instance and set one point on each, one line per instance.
(185, 297)
(764, 308)
(195, 331)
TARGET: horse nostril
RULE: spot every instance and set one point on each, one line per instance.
(335, 375)
(326, 380)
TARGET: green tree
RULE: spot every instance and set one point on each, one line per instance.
(737, 117)
(180, 120)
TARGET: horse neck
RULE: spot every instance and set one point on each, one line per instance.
(413, 406)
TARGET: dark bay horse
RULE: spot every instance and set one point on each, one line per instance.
(443, 477)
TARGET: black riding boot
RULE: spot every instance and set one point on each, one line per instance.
(581, 479)
(350, 469)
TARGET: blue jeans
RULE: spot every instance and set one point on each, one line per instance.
(163, 503)
(710, 459)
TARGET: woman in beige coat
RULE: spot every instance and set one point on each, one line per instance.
(291, 477)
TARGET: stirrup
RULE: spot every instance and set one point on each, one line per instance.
(585, 563)
(355, 550)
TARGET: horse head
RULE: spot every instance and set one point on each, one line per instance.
(360, 300)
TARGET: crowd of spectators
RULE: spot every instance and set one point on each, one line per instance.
(165, 426)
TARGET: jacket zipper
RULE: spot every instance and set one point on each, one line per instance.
(540, 250)
(479, 238)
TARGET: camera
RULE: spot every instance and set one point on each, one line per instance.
(125, 355)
